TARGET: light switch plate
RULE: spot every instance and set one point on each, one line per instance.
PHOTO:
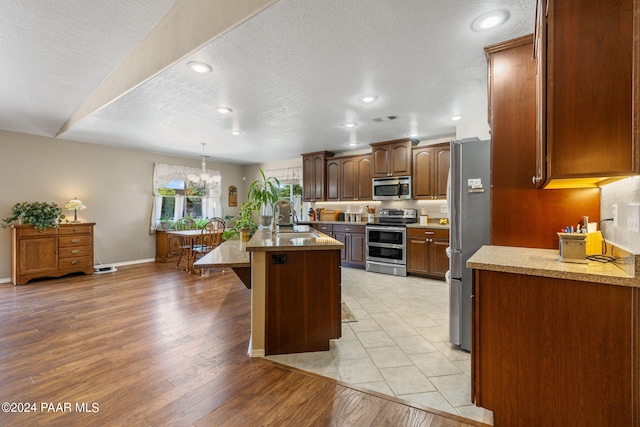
(633, 217)
(443, 209)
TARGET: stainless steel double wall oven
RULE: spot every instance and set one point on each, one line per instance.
(387, 241)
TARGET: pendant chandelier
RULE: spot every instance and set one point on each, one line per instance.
(203, 178)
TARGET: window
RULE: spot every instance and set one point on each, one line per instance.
(177, 197)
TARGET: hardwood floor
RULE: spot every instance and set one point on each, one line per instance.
(150, 345)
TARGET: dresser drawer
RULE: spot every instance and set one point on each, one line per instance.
(75, 229)
(436, 233)
(78, 263)
(29, 231)
(70, 241)
(74, 251)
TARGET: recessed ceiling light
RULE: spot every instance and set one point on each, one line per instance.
(368, 98)
(235, 132)
(223, 110)
(352, 144)
(490, 20)
(199, 67)
(350, 125)
(412, 134)
(456, 118)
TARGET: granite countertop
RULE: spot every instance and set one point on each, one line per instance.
(263, 240)
(429, 225)
(545, 263)
(231, 253)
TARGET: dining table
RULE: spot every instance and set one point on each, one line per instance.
(188, 238)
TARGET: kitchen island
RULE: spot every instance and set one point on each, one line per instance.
(555, 340)
(295, 288)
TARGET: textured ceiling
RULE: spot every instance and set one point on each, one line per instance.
(292, 74)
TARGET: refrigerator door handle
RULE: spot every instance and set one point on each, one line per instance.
(455, 295)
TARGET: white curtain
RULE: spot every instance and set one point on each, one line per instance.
(163, 174)
(286, 175)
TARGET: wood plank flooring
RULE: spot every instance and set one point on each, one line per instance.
(150, 345)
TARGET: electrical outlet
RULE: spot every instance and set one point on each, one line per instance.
(614, 214)
(633, 217)
(443, 209)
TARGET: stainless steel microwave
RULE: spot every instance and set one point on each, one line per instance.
(395, 188)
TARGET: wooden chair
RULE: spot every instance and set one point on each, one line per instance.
(185, 241)
(210, 238)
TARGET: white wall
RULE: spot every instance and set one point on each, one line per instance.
(621, 193)
(115, 184)
(478, 127)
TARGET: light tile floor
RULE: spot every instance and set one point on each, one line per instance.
(399, 344)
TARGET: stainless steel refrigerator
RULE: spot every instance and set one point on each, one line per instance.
(468, 200)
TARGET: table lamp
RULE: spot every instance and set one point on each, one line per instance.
(75, 205)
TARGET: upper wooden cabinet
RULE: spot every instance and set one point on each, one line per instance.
(355, 174)
(430, 171)
(349, 178)
(587, 83)
(391, 158)
(313, 176)
(512, 106)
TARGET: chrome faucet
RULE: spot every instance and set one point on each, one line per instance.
(277, 217)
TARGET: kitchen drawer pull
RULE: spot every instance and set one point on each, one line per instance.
(75, 261)
(75, 251)
(75, 240)
(429, 232)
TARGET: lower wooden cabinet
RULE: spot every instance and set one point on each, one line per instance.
(354, 239)
(559, 352)
(426, 251)
(167, 247)
(302, 301)
(52, 252)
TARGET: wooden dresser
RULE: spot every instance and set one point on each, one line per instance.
(52, 252)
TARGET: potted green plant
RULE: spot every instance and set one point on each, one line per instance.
(264, 192)
(164, 222)
(39, 214)
(244, 224)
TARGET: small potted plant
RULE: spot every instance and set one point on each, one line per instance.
(41, 215)
(164, 222)
(264, 192)
(244, 225)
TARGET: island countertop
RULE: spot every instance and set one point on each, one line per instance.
(263, 240)
(545, 263)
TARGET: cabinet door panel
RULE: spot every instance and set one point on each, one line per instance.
(357, 248)
(417, 261)
(349, 179)
(364, 175)
(438, 260)
(40, 255)
(333, 180)
(441, 175)
(423, 163)
(401, 159)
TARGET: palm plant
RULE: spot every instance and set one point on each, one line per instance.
(264, 192)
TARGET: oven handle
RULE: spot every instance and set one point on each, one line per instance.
(386, 228)
(385, 245)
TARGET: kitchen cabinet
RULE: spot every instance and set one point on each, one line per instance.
(167, 246)
(354, 239)
(587, 86)
(522, 215)
(391, 158)
(304, 317)
(52, 252)
(314, 175)
(430, 171)
(349, 178)
(555, 349)
(426, 251)
(356, 173)
(333, 179)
